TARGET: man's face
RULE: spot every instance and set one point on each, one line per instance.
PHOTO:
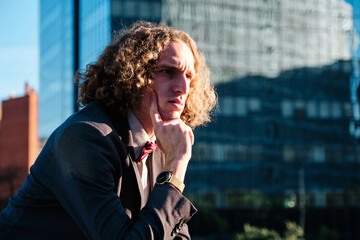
(174, 71)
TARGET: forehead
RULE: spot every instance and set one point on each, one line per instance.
(177, 54)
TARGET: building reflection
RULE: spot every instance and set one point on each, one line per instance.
(286, 131)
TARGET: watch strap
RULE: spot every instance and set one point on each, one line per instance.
(170, 179)
(177, 183)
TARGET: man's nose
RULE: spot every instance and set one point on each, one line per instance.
(181, 84)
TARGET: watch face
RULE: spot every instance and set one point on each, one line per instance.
(163, 177)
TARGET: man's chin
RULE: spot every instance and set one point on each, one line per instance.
(167, 116)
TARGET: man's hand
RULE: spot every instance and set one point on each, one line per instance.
(174, 139)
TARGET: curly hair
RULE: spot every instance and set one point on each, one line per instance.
(127, 67)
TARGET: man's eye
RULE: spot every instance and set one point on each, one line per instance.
(166, 71)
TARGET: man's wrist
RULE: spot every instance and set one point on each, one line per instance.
(177, 167)
(167, 177)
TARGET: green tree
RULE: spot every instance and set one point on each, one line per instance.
(292, 232)
(255, 233)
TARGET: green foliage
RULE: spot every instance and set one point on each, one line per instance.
(255, 233)
(292, 232)
(328, 234)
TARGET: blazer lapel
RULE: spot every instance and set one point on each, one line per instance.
(130, 181)
(156, 165)
(139, 182)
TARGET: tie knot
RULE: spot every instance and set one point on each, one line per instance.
(148, 148)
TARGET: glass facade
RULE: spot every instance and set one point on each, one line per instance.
(100, 19)
(258, 37)
(56, 98)
(59, 37)
(125, 12)
(95, 30)
(285, 74)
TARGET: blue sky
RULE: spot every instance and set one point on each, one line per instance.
(19, 48)
(19, 51)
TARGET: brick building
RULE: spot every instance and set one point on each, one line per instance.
(19, 145)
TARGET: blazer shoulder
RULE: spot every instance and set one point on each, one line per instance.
(92, 115)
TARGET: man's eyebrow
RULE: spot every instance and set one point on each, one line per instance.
(167, 65)
(174, 67)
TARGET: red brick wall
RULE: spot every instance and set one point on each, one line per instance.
(33, 128)
(18, 141)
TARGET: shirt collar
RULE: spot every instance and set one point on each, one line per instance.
(140, 137)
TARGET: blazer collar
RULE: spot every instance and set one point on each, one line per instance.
(122, 127)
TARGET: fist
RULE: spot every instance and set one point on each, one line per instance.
(175, 140)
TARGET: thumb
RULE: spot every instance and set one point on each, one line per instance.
(154, 110)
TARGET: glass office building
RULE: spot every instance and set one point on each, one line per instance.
(249, 45)
(73, 33)
(56, 98)
(287, 74)
(94, 30)
(284, 71)
(100, 19)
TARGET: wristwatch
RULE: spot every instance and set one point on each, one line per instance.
(167, 177)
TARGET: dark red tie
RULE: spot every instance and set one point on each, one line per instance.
(147, 149)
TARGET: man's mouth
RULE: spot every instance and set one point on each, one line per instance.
(176, 103)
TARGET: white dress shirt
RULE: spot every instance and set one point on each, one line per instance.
(140, 137)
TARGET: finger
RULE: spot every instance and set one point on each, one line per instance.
(191, 135)
(154, 110)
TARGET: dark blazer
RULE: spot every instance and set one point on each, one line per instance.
(85, 185)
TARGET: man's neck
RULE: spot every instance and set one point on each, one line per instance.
(145, 121)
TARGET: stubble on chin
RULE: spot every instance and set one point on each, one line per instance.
(167, 116)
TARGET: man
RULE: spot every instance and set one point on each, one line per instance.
(91, 181)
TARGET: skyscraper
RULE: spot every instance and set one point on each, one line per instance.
(240, 39)
(286, 78)
(73, 33)
(57, 64)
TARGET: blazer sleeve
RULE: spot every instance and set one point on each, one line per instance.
(87, 168)
(183, 233)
